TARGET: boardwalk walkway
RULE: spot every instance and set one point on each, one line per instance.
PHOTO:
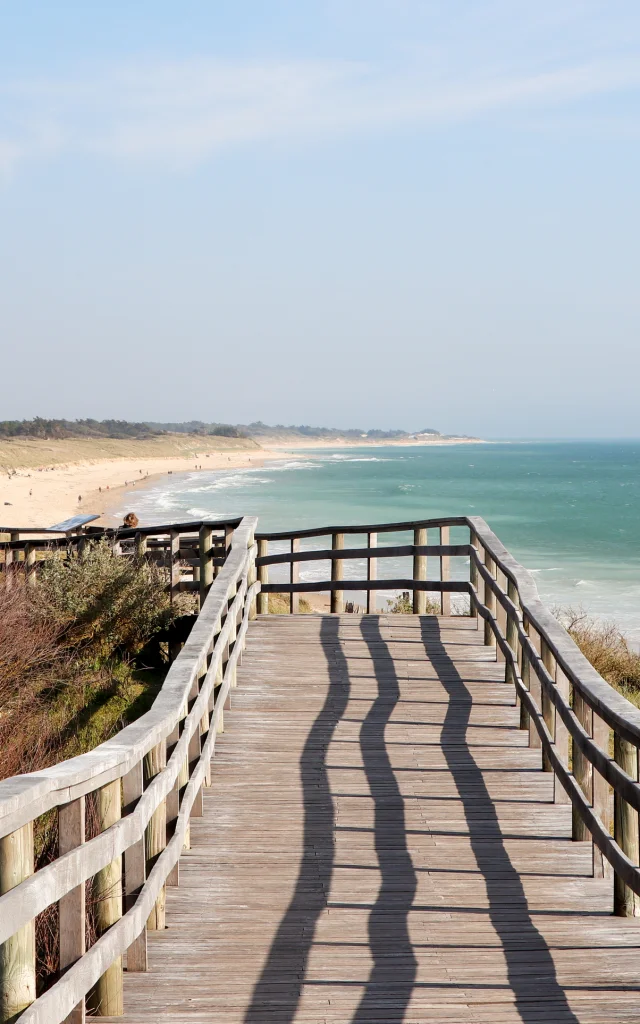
(380, 845)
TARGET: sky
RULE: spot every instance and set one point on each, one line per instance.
(373, 213)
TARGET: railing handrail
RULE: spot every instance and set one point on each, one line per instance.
(24, 797)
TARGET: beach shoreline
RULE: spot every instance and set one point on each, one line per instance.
(44, 497)
(52, 485)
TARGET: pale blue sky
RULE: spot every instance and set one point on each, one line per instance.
(352, 212)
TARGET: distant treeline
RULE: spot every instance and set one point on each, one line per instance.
(48, 428)
(256, 429)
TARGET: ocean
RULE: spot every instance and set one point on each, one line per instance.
(569, 511)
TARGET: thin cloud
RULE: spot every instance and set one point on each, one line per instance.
(185, 112)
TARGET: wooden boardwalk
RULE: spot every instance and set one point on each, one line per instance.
(379, 844)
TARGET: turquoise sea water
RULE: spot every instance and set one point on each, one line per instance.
(569, 511)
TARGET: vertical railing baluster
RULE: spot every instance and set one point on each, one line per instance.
(548, 708)
(535, 688)
(294, 576)
(562, 734)
(263, 577)
(445, 573)
(135, 872)
(205, 546)
(582, 768)
(337, 574)
(473, 575)
(105, 999)
(72, 906)
(156, 831)
(602, 795)
(489, 600)
(419, 571)
(372, 573)
(17, 954)
(625, 829)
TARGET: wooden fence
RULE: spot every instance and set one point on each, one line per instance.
(148, 779)
(192, 553)
(146, 783)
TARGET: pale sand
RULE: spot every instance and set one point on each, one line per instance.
(43, 498)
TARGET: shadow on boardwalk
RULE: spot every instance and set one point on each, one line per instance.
(515, 928)
(392, 979)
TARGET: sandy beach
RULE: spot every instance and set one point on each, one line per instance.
(43, 497)
(43, 482)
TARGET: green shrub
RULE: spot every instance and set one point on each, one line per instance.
(403, 605)
(104, 603)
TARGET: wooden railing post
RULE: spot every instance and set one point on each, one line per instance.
(548, 709)
(30, 563)
(473, 574)
(625, 829)
(294, 577)
(105, 999)
(174, 568)
(263, 577)
(140, 545)
(372, 573)
(525, 675)
(489, 601)
(419, 571)
(582, 769)
(445, 573)
(562, 734)
(535, 688)
(602, 796)
(206, 561)
(337, 574)
(17, 954)
(156, 832)
(71, 908)
(135, 872)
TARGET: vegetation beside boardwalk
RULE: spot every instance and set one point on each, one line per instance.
(72, 655)
(606, 647)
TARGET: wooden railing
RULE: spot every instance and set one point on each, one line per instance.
(147, 781)
(145, 784)
(370, 552)
(192, 553)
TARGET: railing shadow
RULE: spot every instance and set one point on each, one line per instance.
(393, 974)
(515, 928)
(277, 992)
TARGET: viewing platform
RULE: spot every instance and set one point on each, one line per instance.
(342, 817)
